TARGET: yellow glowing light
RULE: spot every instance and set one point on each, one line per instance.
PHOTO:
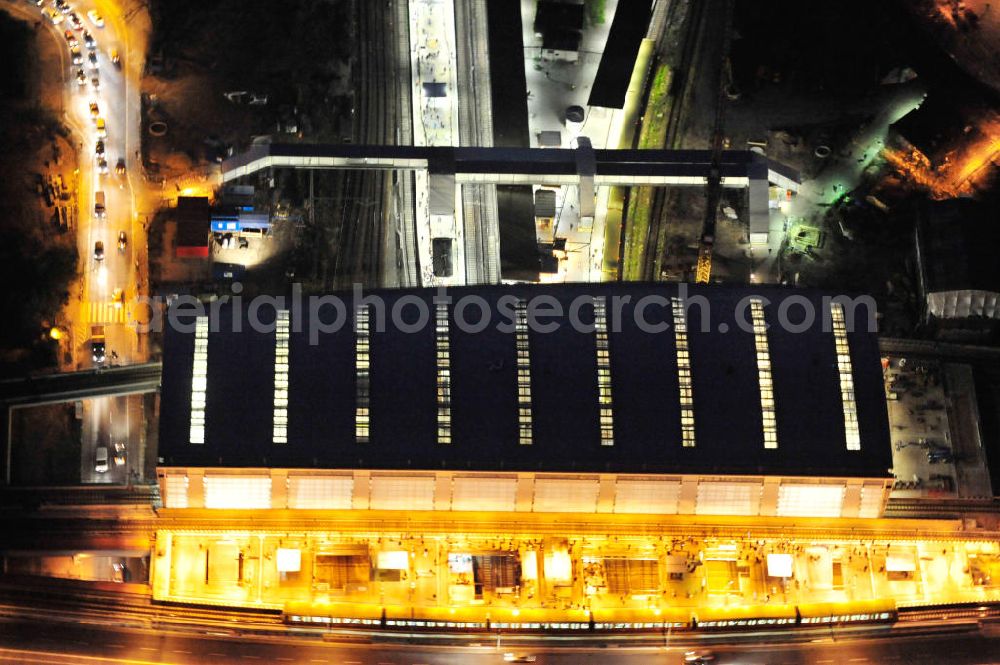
(55, 333)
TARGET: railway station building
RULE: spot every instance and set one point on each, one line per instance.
(614, 398)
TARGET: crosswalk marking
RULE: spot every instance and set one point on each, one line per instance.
(105, 312)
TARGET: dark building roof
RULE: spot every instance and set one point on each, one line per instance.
(193, 221)
(508, 84)
(564, 391)
(551, 16)
(613, 74)
(957, 241)
(935, 127)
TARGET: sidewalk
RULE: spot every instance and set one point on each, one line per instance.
(559, 578)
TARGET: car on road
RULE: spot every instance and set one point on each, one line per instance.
(96, 18)
(102, 166)
(94, 110)
(52, 15)
(99, 148)
(118, 298)
(81, 77)
(102, 128)
(74, 52)
(116, 59)
(518, 658)
(120, 453)
(62, 6)
(71, 38)
(88, 40)
(101, 465)
(99, 251)
(699, 656)
(75, 21)
(96, 82)
(92, 59)
(120, 166)
(122, 241)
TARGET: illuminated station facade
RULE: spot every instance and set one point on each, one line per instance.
(420, 461)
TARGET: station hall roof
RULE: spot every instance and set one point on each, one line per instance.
(567, 397)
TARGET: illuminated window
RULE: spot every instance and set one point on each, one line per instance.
(684, 373)
(721, 498)
(177, 492)
(647, 496)
(402, 493)
(443, 373)
(810, 500)
(603, 373)
(764, 374)
(199, 380)
(240, 492)
(318, 492)
(871, 501)
(481, 493)
(851, 431)
(362, 375)
(565, 495)
(280, 433)
(524, 429)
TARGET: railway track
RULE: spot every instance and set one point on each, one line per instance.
(365, 194)
(694, 24)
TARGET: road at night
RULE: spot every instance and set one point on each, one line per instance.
(35, 643)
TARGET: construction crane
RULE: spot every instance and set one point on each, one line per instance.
(703, 271)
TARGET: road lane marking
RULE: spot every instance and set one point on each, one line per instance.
(117, 646)
(146, 649)
(181, 651)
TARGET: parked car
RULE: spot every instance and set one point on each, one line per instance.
(96, 18)
(101, 458)
(52, 15)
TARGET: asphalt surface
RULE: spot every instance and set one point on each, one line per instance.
(25, 642)
(115, 275)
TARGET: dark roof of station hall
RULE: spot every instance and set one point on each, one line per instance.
(564, 391)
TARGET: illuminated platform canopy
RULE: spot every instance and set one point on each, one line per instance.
(712, 396)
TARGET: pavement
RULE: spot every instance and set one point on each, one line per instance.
(931, 406)
(433, 60)
(555, 578)
(122, 269)
(553, 86)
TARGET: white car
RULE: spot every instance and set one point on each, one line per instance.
(101, 465)
(96, 18)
